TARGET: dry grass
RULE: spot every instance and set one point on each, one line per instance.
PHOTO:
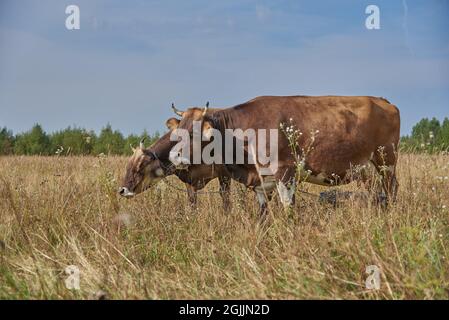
(64, 211)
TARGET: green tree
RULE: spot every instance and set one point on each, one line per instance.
(155, 137)
(6, 141)
(131, 140)
(427, 136)
(71, 141)
(134, 140)
(33, 142)
(109, 141)
(425, 129)
(443, 136)
(74, 141)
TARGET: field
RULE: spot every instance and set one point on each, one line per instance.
(61, 211)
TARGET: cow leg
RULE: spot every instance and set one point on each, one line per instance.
(264, 194)
(286, 186)
(286, 193)
(369, 180)
(389, 186)
(390, 183)
(191, 193)
(225, 186)
(385, 163)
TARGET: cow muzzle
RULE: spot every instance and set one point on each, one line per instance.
(123, 191)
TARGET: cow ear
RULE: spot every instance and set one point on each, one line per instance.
(172, 123)
(207, 129)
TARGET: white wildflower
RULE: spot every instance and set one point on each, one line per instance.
(59, 150)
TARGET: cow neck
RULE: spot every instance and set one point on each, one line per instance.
(161, 151)
(222, 120)
(166, 164)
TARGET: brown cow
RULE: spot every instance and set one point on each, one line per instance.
(147, 166)
(347, 133)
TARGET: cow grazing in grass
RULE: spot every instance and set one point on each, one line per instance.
(147, 166)
(335, 136)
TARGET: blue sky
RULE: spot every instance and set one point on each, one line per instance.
(131, 59)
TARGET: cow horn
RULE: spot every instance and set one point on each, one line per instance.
(178, 112)
(132, 148)
(142, 146)
(205, 108)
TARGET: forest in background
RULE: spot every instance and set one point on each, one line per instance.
(428, 135)
(70, 141)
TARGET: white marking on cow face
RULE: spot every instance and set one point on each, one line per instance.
(286, 194)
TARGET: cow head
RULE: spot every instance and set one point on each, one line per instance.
(147, 167)
(172, 123)
(195, 114)
(193, 131)
(143, 170)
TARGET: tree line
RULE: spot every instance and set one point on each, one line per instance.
(70, 141)
(428, 135)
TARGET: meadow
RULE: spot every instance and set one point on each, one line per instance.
(61, 211)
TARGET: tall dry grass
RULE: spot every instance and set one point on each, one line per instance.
(56, 212)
